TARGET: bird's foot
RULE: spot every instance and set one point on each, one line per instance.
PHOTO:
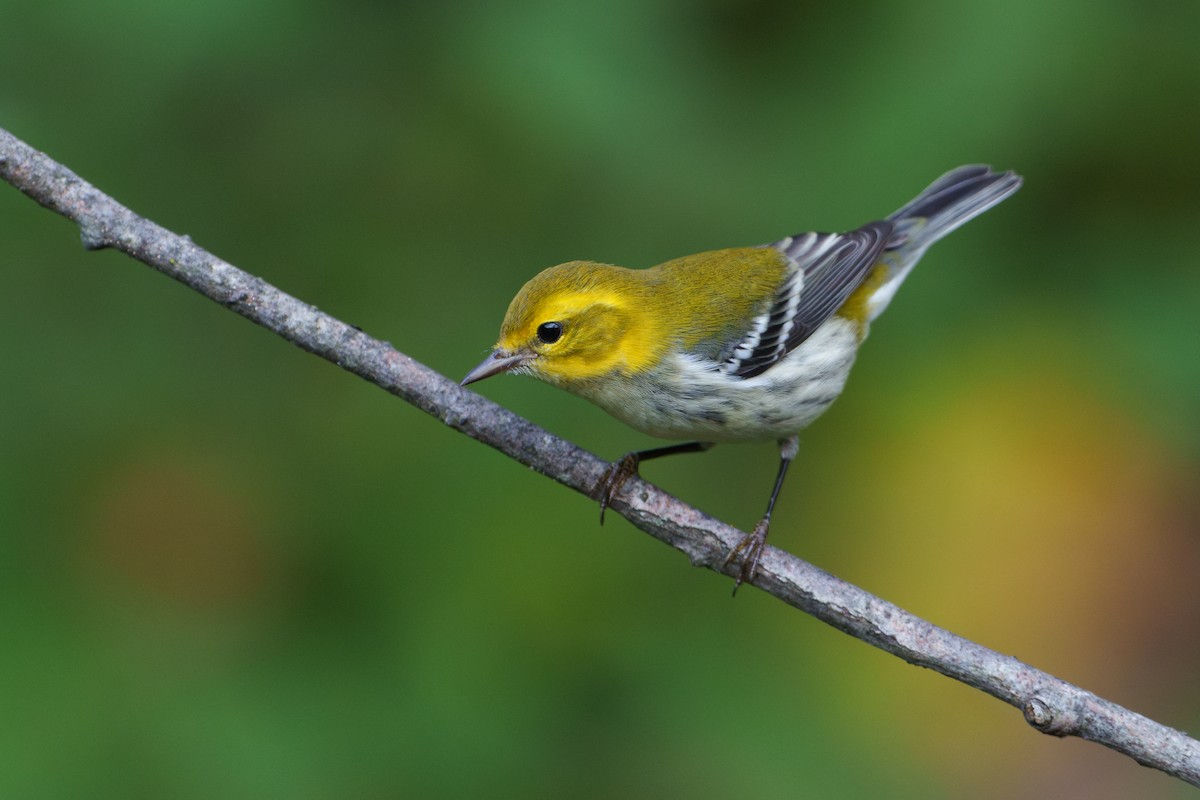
(750, 549)
(620, 471)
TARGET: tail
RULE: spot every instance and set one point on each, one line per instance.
(958, 196)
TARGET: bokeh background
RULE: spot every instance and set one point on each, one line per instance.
(230, 570)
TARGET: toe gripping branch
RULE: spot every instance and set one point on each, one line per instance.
(627, 466)
(750, 548)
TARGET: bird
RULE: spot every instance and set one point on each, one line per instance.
(733, 345)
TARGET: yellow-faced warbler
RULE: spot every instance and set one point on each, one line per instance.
(744, 344)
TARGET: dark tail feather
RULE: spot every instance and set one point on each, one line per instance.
(953, 199)
(950, 201)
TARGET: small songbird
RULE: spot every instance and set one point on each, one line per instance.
(744, 344)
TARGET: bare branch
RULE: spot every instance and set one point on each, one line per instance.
(1049, 704)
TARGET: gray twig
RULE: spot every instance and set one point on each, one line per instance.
(1049, 704)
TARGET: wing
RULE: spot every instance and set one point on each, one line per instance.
(826, 268)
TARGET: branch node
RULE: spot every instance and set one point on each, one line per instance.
(94, 237)
(1042, 715)
(239, 299)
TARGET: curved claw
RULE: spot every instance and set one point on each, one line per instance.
(620, 471)
(750, 548)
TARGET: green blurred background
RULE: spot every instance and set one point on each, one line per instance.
(230, 570)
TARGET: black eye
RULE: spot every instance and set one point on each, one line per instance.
(549, 332)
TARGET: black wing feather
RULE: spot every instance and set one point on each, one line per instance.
(828, 267)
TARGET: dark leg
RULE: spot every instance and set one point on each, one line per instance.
(627, 467)
(750, 548)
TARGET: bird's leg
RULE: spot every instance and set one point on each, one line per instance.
(627, 466)
(750, 548)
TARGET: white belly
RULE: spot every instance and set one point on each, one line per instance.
(688, 398)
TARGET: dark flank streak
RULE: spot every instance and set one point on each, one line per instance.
(661, 408)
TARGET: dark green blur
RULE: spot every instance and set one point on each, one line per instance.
(230, 570)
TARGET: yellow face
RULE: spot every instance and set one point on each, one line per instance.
(574, 322)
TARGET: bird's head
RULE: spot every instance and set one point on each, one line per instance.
(577, 322)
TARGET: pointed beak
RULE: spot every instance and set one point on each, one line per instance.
(499, 361)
